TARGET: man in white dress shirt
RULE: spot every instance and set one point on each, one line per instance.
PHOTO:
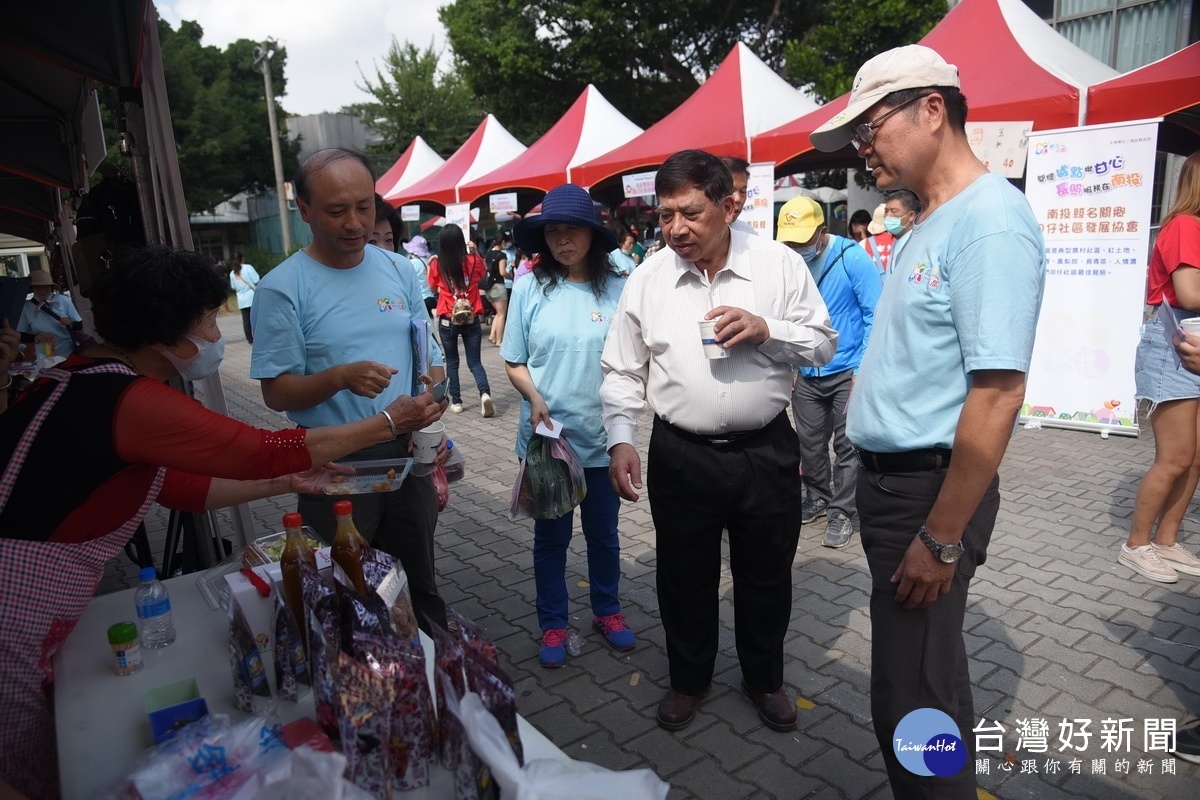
(722, 453)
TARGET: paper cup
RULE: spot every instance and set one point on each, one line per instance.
(426, 441)
(1190, 325)
(709, 339)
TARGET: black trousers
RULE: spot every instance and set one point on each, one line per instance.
(400, 523)
(918, 658)
(696, 489)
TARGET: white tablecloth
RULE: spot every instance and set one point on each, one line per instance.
(101, 717)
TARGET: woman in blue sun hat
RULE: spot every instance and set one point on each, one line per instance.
(552, 346)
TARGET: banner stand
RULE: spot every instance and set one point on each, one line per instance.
(1091, 190)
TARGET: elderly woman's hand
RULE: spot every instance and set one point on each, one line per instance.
(10, 346)
(311, 481)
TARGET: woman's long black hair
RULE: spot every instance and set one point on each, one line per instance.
(452, 254)
(597, 266)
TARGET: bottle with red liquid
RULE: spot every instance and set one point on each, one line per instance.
(348, 546)
(295, 550)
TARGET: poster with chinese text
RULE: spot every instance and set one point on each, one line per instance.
(759, 210)
(1090, 189)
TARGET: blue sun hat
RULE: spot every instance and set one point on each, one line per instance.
(568, 204)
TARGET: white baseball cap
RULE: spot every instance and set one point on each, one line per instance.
(913, 66)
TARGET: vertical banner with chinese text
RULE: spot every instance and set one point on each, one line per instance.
(460, 214)
(1090, 189)
(759, 210)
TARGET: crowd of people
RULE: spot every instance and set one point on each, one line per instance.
(593, 330)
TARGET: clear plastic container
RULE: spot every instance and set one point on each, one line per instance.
(154, 611)
(384, 475)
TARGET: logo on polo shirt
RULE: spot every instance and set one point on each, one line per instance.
(927, 274)
(387, 304)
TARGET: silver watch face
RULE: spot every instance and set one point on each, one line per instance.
(951, 553)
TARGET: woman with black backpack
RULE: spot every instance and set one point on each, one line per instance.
(455, 275)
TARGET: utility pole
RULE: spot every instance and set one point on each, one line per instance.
(262, 58)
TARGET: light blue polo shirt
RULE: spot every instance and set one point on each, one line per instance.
(308, 317)
(964, 293)
(560, 337)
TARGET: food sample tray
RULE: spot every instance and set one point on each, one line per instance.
(384, 475)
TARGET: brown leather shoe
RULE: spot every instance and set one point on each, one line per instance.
(775, 709)
(676, 711)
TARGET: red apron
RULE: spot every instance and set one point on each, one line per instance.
(45, 588)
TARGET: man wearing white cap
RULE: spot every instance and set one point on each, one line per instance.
(850, 287)
(935, 401)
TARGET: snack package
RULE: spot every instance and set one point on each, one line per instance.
(472, 780)
(412, 730)
(495, 689)
(384, 574)
(291, 660)
(361, 612)
(321, 608)
(364, 710)
(474, 640)
(441, 485)
(249, 674)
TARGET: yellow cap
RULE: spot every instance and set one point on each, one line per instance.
(798, 220)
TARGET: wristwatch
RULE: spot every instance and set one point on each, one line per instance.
(946, 553)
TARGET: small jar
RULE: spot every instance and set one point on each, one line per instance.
(123, 638)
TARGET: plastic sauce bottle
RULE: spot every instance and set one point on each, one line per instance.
(153, 610)
(295, 550)
(123, 639)
(348, 546)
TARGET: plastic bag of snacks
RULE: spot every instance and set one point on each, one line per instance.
(249, 674)
(291, 660)
(550, 481)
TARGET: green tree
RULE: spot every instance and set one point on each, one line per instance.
(527, 62)
(412, 98)
(218, 116)
(826, 58)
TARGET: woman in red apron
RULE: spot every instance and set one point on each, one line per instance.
(100, 438)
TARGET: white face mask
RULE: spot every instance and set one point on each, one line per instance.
(209, 356)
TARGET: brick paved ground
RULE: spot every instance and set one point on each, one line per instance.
(1055, 628)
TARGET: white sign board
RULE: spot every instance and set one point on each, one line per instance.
(410, 213)
(1090, 189)
(638, 184)
(759, 210)
(1001, 146)
(460, 214)
(505, 203)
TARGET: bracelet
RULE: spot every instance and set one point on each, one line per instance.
(5, 386)
(391, 424)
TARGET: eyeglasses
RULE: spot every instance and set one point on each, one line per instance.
(864, 132)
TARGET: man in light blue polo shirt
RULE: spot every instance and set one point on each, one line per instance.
(333, 327)
(936, 397)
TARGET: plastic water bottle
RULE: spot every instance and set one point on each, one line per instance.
(574, 643)
(153, 610)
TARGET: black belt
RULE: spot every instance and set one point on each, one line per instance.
(931, 459)
(717, 440)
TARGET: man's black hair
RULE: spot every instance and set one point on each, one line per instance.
(698, 169)
(321, 159)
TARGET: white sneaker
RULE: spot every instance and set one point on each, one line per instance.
(1146, 561)
(486, 407)
(1179, 558)
(456, 408)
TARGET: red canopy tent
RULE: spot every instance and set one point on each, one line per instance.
(490, 146)
(1168, 88)
(1013, 67)
(741, 98)
(590, 128)
(417, 161)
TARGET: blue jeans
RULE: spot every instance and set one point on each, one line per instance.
(598, 513)
(471, 335)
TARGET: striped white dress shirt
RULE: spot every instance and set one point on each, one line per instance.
(653, 352)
